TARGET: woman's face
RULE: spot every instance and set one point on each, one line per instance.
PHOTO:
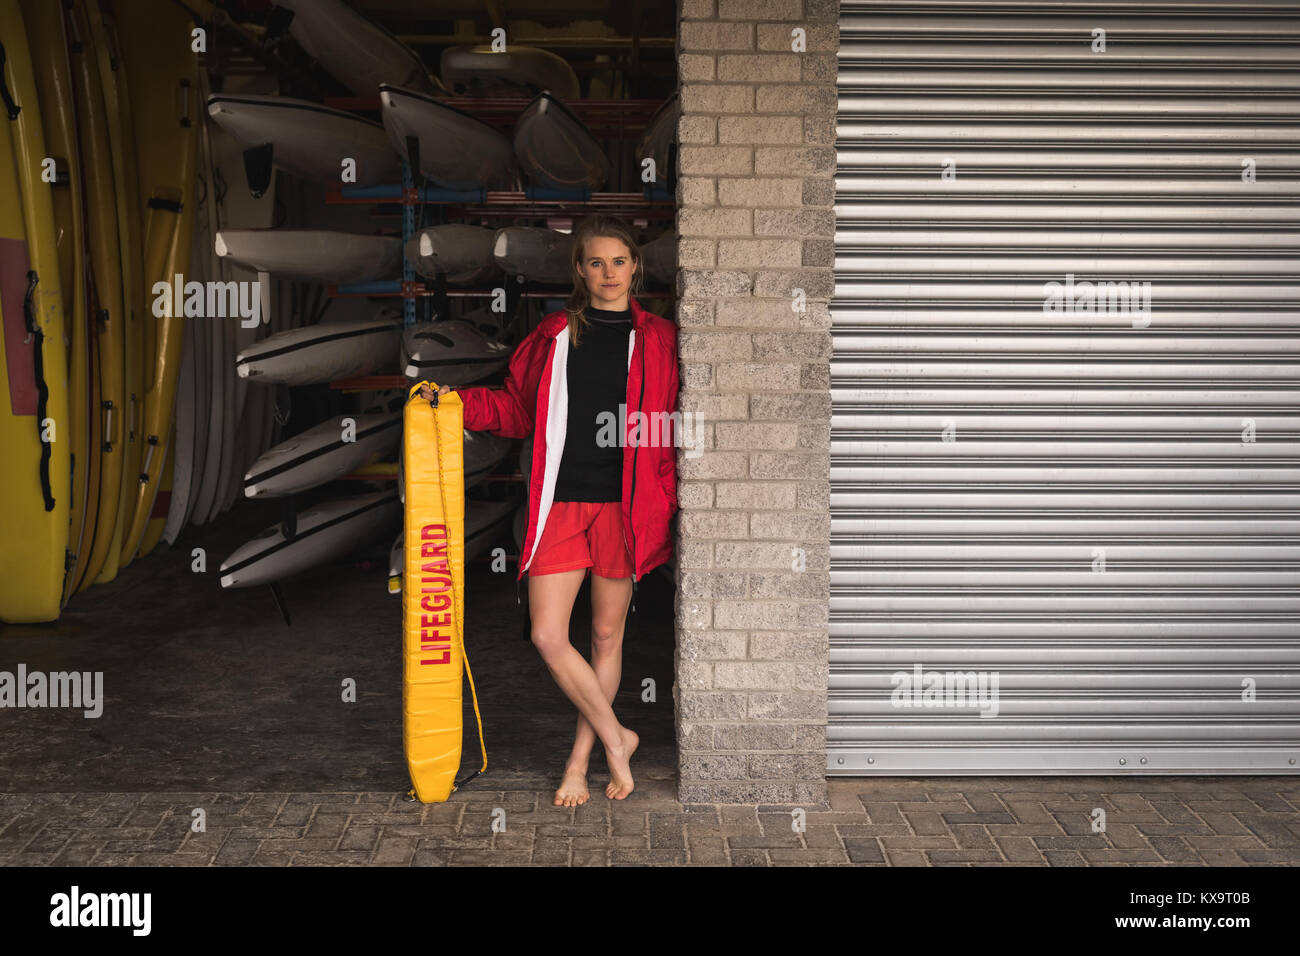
(607, 268)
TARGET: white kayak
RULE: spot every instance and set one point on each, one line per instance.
(541, 255)
(660, 258)
(358, 53)
(323, 352)
(457, 151)
(516, 71)
(307, 139)
(660, 134)
(323, 453)
(328, 531)
(451, 352)
(555, 149)
(483, 451)
(313, 255)
(250, 205)
(460, 251)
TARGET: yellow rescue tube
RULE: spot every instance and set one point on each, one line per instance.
(433, 597)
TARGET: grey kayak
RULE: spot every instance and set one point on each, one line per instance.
(307, 139)
(660, 258)
(313, 255)
(483, 451)
(492, 324)
(457, 151)
(555, 150)
(483, 521)
(534, 253)
(451, 352)
(323, 352)
(328, 531)
(660, 134)
(461, 251)
(516, 71)
(323, 453)
(358, 53)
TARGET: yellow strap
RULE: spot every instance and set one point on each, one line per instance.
(442, 490)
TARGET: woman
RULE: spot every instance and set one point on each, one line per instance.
(602, 490)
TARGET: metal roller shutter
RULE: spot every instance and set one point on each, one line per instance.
(1098, 509)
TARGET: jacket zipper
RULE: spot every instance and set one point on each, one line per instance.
(550, 354)
(632, 494)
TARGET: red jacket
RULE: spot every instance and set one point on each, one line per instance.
(535, 402)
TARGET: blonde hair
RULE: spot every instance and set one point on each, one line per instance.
(605, 227)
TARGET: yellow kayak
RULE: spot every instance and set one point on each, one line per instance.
(153, 532)
(162, 75)
(109, 320)
(105, 41)
(35, 465)
(45, 33)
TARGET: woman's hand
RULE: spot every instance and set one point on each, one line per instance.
(426, 392)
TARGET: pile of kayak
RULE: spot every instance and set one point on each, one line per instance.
(152, 311)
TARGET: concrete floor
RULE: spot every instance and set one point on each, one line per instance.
(208, 690)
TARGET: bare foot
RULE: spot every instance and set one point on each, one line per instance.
(620, 769)
(573, 788)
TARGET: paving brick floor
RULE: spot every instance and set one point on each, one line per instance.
(1036, 821)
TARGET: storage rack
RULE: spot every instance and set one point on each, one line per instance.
(617, 119)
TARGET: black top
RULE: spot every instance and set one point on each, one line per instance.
(597, 378)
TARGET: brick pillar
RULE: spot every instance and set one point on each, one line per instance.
(756, 224)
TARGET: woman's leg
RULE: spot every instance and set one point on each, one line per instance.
(610, 598)
(550, 603)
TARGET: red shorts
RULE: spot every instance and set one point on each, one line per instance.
(583, 534)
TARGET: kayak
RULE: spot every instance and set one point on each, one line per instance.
(555, 149)
(357, 52)
(320, 353)
(323, 453)
(306, 139)
(541, 255)
(461, 252)
(454, 351)
(313, 255)
(516, 71)
(457, 151)
(324, 533)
